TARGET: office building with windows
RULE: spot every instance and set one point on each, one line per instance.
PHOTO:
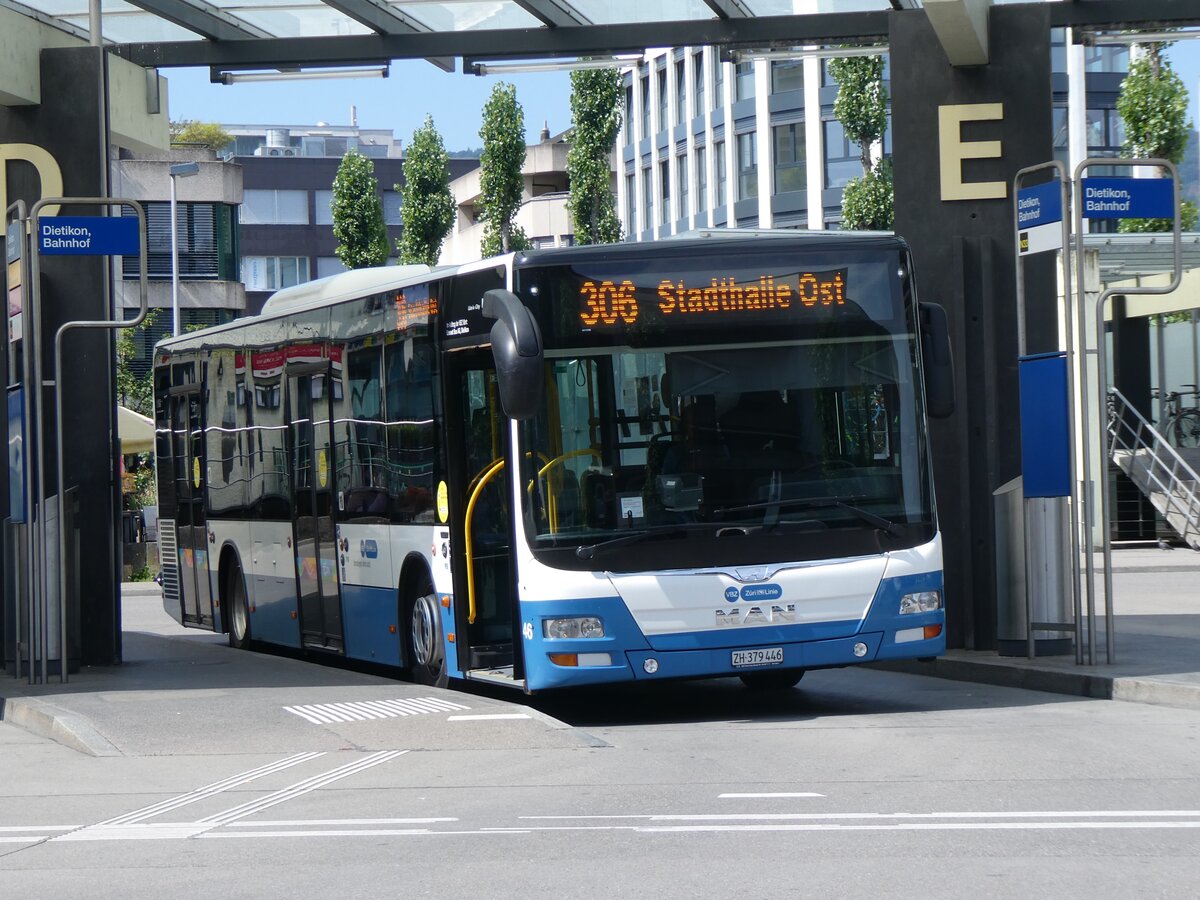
(755, 143)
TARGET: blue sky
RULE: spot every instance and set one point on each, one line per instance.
(415, 88)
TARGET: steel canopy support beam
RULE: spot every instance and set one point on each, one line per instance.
(198, 16)
(728, 9)
(555, 13)
(962, 29)
(516, 43)
(382, 18)
(1111, 14)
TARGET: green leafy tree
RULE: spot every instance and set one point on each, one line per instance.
(134, 391)
(199, 134)
(358, 214)
(427, 205)
(500, 182)
(1153, 105)
(596, 116)
(861, 107)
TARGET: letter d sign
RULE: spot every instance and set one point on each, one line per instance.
(47, 169)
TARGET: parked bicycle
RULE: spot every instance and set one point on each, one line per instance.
(1181, 424)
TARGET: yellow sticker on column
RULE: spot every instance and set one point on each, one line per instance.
(322, 468)
(196, 471)
(443, 502)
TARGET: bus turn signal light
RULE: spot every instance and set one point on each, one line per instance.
(932, 631)
(564, 659)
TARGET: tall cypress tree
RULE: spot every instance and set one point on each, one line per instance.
(861, 107)
(358, 214)
(500, 182)
(596, 117)
(427, 204)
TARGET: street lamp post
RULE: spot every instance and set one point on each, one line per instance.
(179, 170)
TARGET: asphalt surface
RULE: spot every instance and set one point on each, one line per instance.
(181, 690)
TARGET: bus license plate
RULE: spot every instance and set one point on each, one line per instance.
(761, 656)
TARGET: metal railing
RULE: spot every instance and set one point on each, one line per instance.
(1145, 455)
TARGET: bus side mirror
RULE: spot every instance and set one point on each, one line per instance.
(517, 349)
(937, 360)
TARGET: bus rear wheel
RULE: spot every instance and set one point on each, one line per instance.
(239, 611)
(426, 649)
(772, 679)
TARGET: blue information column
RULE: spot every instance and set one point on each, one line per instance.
(1045, 435)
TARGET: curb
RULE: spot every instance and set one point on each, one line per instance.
(1078, 684)
(49, 721)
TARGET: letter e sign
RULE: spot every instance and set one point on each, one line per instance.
(953, 150)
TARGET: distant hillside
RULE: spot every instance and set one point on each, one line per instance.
(465, 154)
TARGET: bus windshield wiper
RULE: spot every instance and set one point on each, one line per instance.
(815, 503)
(587, 551)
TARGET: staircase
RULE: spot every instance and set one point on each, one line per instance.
(1165, 474)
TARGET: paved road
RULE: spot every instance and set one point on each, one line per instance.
(858, 783)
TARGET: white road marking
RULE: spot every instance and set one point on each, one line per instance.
(488, 717)
(742, 817)
(29, 839)
(765, 796)
(25, 828)
(365, 710)
(284, 823)
(300, 788)
(217, 787)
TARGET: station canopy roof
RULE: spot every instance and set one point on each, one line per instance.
(259, 33)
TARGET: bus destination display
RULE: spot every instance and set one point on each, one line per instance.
(695, 299)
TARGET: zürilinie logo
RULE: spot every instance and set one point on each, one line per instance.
(753, 592)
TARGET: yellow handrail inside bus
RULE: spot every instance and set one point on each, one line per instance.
(559, 460)
(487, 476)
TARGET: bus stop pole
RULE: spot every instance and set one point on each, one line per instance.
(112, 324)
(1102, 372)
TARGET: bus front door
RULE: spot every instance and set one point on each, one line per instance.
(486, 609)
(313, 539)
(191, 527)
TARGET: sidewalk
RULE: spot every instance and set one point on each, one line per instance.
(1157, 654)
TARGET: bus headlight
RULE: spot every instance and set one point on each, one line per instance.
(575, 627)
(920, 601)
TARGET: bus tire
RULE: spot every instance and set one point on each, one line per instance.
(239, 610)
(772, 679)
(426, 647)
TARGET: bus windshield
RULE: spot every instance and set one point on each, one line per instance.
(670, 448)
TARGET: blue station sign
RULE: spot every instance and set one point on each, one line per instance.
(1128, 198)
(87, 236)
(1039, 205)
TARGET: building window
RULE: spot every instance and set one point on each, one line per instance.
(629, 113)
(647, 199)
(662, 99)
(1105, 132)
(271, 273)
(205, 240)
(698, 80)
(329, 265)
(719, 84)
(681, 179)
(680, 92)
(322, 207)
(744, 85)
(261, 207)
(747, 165)
(789, 158)
(664, 177)
(842, 160)
(630, 203)
(645, 106)
(1106, 58)
(701, 179)
(1062, 150)
(392, 201)
(722, 174)
(787, 75)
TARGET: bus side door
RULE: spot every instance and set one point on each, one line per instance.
(314, 540)
(191, 527)
(481, 509)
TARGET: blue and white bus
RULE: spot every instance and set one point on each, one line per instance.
(702, 457)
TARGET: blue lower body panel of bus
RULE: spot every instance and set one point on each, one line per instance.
(625, 654)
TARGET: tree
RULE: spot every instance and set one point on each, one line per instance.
(596, 116)
(358, 214)
(199, 134)
(500, 182)
(1153, 105)
(134, 391)
(427, 206)
(861, 107)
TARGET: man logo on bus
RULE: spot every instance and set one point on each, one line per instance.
(731, 594)
(368, 549)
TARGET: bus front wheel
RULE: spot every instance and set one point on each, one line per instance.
(426, 648)
(239, 611)
(772, 679)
